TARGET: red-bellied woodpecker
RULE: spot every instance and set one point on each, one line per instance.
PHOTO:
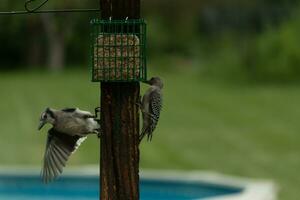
(151, 106)
(70, 128)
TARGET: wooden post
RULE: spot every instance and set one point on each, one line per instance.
(119, 162)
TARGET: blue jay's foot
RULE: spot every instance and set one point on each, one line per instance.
(97, 110)
(99, 130)
(99, 134)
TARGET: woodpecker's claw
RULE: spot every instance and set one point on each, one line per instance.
(139, 103)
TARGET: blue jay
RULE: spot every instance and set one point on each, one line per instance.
(70, 128)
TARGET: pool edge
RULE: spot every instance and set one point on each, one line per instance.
(253, 189)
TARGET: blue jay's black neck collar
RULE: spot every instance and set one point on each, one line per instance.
(50, 112)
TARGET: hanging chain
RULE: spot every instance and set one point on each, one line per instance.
(36, 10)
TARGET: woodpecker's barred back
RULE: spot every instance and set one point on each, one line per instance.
(151, 106)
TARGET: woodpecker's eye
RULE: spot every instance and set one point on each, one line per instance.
(44, 116)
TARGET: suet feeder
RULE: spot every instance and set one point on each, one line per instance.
(118, 50)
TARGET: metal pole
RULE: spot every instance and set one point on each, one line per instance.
(119, 162)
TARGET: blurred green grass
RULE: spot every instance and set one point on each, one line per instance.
(239, 129)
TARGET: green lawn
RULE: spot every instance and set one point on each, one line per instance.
(243, 130)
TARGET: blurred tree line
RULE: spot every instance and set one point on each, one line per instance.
(51, 40)
(254, 38)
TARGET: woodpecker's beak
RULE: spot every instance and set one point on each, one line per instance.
(42, 123)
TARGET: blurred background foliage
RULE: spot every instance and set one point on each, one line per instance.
(236, 62)
(255, 39)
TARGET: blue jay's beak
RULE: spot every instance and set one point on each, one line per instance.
(42, 123)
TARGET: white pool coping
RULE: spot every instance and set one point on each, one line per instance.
(253, 189)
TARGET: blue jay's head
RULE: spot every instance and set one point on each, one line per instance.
(156, 81)
(46, 117)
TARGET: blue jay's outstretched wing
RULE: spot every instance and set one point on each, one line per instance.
(58, 149)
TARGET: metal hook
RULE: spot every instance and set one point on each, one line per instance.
(36, 10)
(28, 2)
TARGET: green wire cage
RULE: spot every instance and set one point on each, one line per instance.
(118, 50)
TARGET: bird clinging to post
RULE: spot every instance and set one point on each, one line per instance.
(151, 106)
(70, 128)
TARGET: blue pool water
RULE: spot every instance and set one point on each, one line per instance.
(13, 187)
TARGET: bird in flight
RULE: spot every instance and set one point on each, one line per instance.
(70, 127)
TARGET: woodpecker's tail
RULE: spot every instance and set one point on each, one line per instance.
(146, 131)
